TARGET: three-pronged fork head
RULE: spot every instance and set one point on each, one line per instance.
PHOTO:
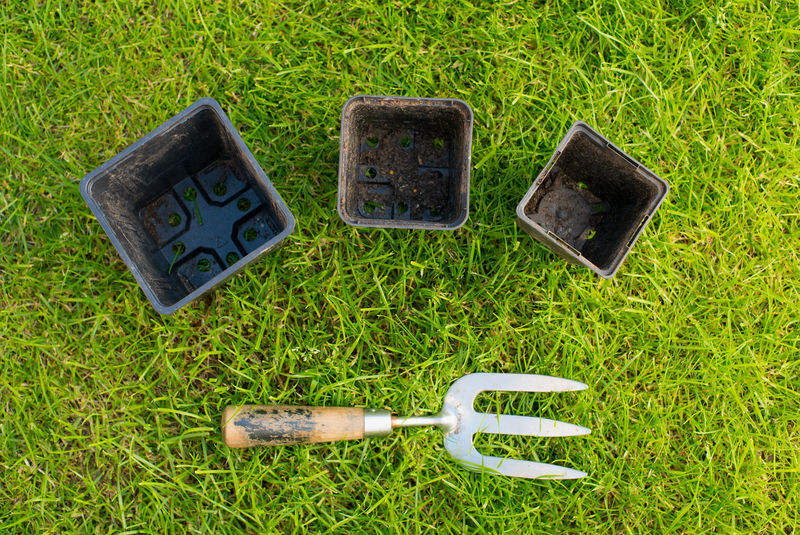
(460, 422)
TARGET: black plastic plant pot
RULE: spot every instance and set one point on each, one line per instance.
(187, 206)
(591, 202)
(404, 162)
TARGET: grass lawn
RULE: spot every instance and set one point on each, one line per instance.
(111, 411)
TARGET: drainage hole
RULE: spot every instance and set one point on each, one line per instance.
(402, 207)
(435, 211)
(204, 264)
(174, 220)
(372, 141)
(405, 142)
(371, 206)
(178, 247)
(438, 143)
(370, 172)
(190, 194)
(232, 258)
(243, 204)
(220, 188)
(438, 175)
(250, 234)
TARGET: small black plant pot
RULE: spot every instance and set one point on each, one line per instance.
(187, 206)
(404, 162)
(591, 202)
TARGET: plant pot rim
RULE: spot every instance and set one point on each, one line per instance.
(186, 114)
(553, 242)
(397, 223)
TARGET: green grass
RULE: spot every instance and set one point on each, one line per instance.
(111, 412)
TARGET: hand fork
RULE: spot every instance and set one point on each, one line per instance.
(253, 425)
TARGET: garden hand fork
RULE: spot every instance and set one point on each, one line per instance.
(253, 425)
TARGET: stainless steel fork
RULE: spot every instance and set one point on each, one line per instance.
(254, 425)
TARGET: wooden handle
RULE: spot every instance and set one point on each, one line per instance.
(259, 425)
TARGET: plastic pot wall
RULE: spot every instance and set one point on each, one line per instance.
(591, 202)
(405, 162)
(187, 206)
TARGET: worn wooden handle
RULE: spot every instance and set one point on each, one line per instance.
(271, 425)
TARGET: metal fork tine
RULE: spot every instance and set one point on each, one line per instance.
(526, 425)
(526, 382)
(472, 384)
(530, 469)
(515, 468)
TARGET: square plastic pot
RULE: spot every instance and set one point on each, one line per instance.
(591, 202)
(187, 206)
(404, 162)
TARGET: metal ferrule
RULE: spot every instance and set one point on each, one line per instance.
(377, 422)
